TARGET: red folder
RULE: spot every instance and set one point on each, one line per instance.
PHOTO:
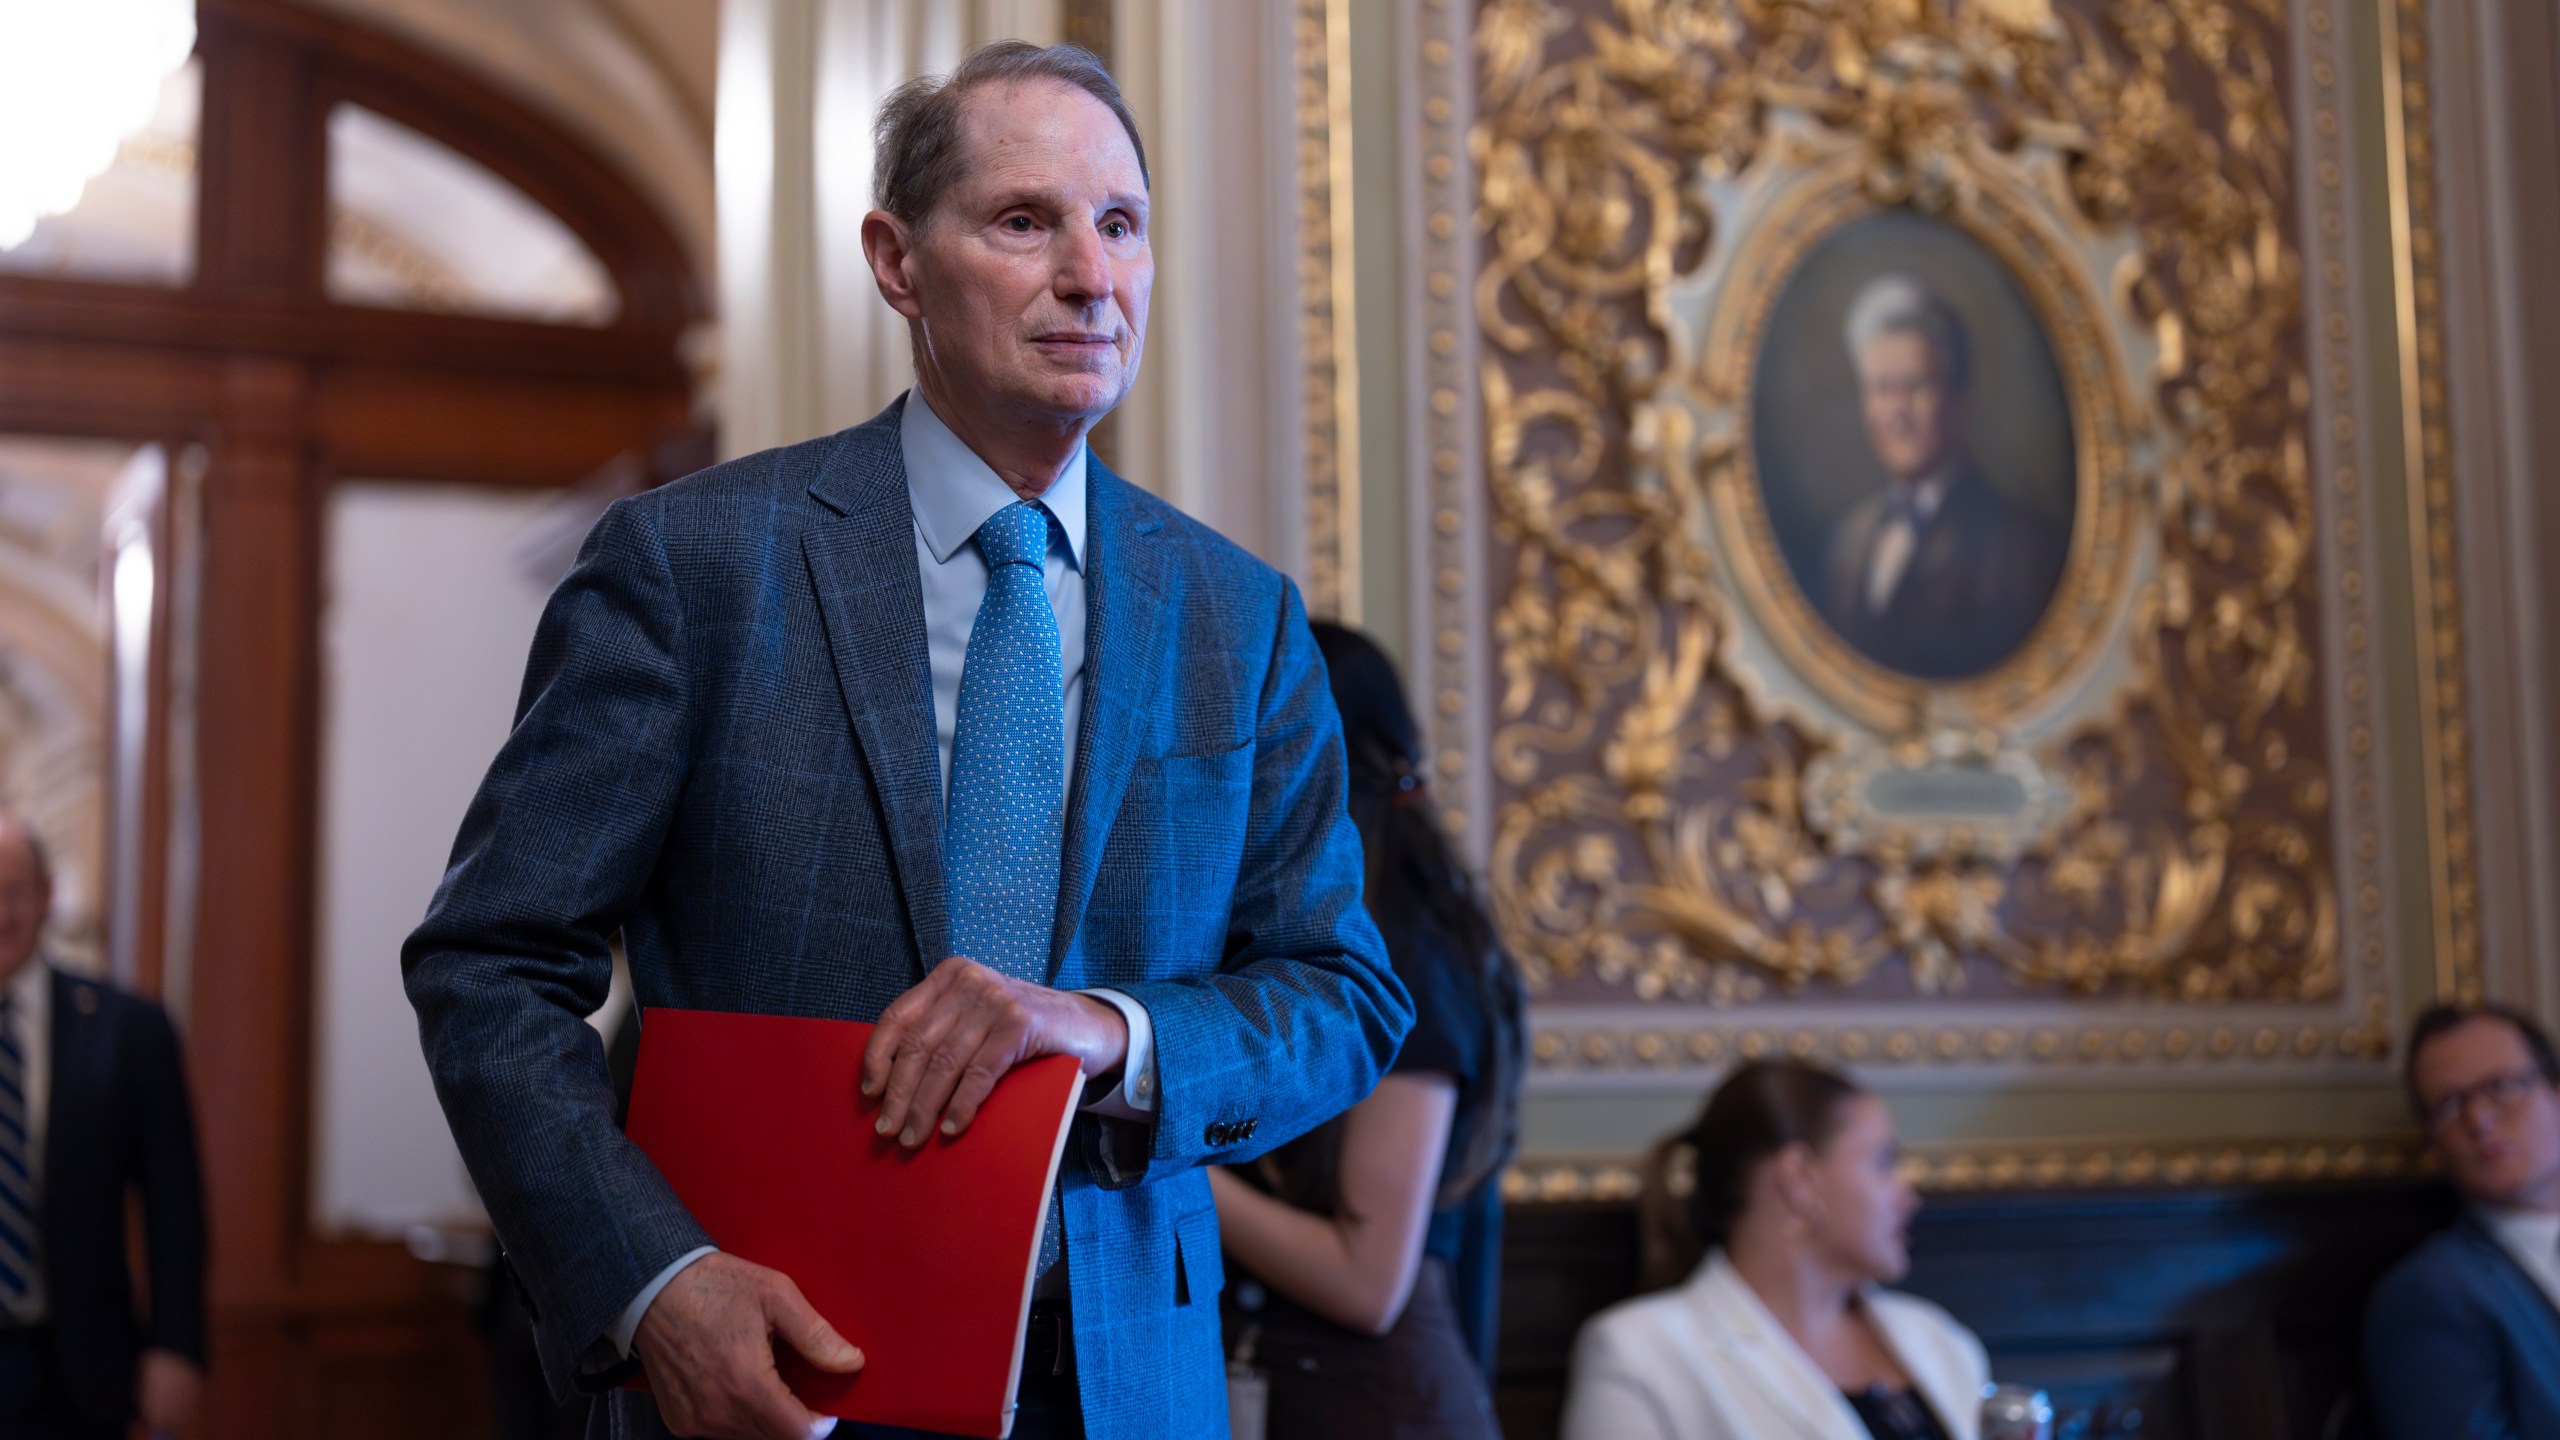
(921, 1259)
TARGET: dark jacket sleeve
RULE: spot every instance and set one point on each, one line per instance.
(555, 850)
(172, 1189)
(2433, 1366)
(1304, 1013)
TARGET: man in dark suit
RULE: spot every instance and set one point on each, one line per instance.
(93, 1103)
(809, 728)
(2462, 1339)
(1938, 575)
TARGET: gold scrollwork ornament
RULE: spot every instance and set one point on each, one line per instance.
(1688, 755)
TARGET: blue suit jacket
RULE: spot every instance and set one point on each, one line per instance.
(725, 753)
(2460, 1344)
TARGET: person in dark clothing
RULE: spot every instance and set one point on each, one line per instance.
(2463, 1336)
(93, 1105)
(1376, 1238)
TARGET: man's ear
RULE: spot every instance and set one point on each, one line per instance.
(889, 246)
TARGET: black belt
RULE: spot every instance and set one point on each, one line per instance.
(1049, 1345)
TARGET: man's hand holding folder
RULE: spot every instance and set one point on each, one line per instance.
(708, 1343)
(709, 1340)
(941, 1047)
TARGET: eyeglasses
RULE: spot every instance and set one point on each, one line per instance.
(2503, 1092)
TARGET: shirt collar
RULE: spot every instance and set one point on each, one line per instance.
(1930, 491)
(2524, 1232)
(27, 987)
(953, 491)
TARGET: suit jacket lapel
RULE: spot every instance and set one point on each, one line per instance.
(1124, 586)
(70, 1033)
(1763, 1351)
(1947, 540)
(1909, 1337)
(2524, 1293)
(862, 561)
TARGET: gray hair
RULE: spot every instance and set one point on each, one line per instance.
(1898, 303)
(918, 135)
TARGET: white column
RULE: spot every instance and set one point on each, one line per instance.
(2493, 66)
(1213, 423)
(807, 347)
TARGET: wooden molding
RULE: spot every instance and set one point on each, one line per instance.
(286, 392)
(349, 64)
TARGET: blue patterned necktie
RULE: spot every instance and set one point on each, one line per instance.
(17, 1179)
(1008, 769)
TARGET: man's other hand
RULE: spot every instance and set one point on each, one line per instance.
(941, 1047)
(168, 1390)
(708, 1342)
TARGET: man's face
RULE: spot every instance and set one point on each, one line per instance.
(1911, 414)
(2492, 1116)
(1031, 276)
(24, 901)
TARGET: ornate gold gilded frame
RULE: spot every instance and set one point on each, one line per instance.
(2426, 441)
(1579, 1045)
(1656, 833)
(2095, 585)
(1454, 669)
(2037, 1165)
(1329, 381)
(1446, 453)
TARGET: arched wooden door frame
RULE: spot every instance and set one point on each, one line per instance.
(273, 390)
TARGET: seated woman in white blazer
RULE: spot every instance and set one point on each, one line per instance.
(1782, 1331)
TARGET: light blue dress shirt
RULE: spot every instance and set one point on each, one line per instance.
(952, 492)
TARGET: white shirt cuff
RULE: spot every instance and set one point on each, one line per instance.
(1134, 1098)
(628, 1324)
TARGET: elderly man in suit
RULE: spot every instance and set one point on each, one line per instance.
(938, 722)
(1938, 575)
(2463, 1338)
(93, 1106)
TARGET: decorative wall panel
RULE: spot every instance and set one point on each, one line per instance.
(2426, 441)
(1328, 343)
(1899, 538)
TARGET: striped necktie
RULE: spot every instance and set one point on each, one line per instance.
(17, 1178)
(1008, 769)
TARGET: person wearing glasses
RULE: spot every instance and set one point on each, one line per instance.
(2463, 1338)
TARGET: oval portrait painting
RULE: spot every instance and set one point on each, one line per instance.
(1914, 445)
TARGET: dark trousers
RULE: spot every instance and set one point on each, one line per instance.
(1419, 1381)
(1048, 1404)
(33, 1405)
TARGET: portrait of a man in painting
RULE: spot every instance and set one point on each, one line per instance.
(1920, 496)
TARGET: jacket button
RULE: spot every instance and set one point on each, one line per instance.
(1246, 1133)
(1215, 1135)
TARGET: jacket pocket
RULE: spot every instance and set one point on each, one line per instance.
(1199, 1271)
(1169, 873)
(1224, 764)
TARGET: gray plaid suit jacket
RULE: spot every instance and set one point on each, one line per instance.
(724, 753)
